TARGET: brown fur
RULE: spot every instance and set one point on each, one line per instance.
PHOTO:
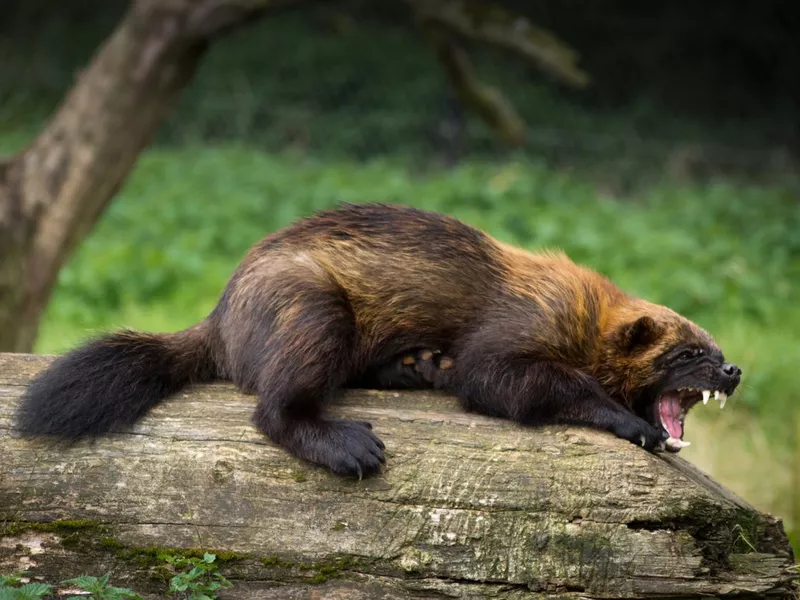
(343, 297)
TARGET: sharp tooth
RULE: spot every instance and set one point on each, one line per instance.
(722, 399)
(706, 395)
(676, 444)
(716, 394)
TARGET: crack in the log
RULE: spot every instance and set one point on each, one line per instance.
(652, 525)
(409, 583)
(177, 524)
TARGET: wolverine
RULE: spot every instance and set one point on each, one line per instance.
(396, 297)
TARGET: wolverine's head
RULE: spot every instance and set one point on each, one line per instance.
(661, 364)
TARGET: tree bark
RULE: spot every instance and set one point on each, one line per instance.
(466, 507)
(53, 191)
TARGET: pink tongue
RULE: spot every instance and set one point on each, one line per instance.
(669, 408)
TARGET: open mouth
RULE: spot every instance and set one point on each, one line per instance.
(672, 407)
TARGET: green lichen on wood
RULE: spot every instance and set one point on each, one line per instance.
(153, 555)
(85, 533)
(11, 527)
(749, 534)
(320, 571)
(326, 570)
(111, 543)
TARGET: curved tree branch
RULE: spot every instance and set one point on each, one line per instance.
(446, 22)
(488, 23)
(487, 102)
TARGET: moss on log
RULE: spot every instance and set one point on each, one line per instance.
(466, 507)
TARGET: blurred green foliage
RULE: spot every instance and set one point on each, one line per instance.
(312, 81)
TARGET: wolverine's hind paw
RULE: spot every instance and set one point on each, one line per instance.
(433, 365)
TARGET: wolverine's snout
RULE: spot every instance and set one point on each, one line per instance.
(731, 374)
(731, 370)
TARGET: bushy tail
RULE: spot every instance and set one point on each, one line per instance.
(112, 381)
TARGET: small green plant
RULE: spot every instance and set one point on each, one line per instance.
(99, 588)
(198, 579)
(12, 588)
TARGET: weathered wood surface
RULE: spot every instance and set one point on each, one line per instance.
(466, 507)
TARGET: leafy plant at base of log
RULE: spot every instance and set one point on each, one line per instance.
(193, 579)
(202, 579)
(12, 588)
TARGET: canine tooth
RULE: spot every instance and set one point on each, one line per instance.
(706, 395)
(723, 397)
(677, 444)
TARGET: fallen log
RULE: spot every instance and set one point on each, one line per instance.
(466, 507)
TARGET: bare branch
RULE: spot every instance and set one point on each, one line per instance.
(486, 22)
(488, 102)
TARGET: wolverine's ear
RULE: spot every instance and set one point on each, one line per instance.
(637, 334)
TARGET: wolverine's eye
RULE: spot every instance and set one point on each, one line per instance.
(689, 354)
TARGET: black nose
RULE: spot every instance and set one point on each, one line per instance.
(731, 370)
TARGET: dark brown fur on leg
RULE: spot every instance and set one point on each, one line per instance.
(295, 358)
(536, 393)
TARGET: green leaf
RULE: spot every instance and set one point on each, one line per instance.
(31, 591)
(13, 579)
(83, 581)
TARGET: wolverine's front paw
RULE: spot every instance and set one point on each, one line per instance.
(640, 432)
(348, 448)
